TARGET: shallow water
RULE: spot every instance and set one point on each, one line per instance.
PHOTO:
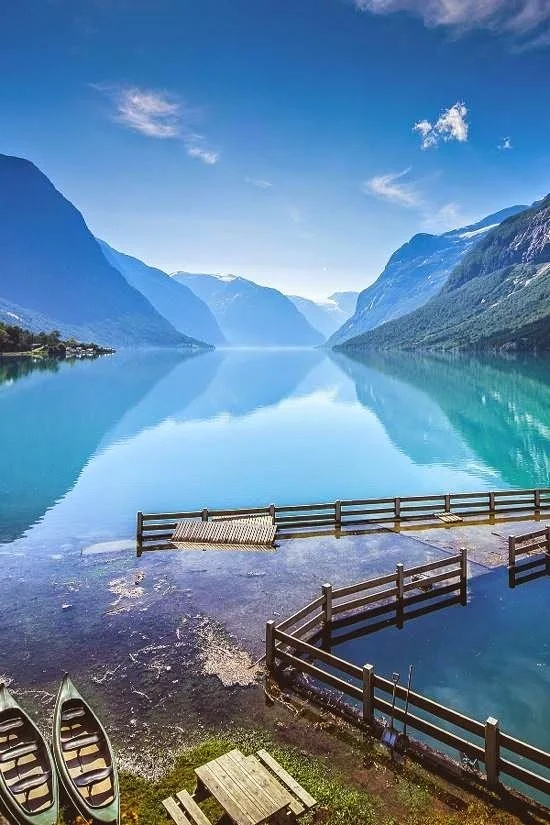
(84, 446)
(488, 658)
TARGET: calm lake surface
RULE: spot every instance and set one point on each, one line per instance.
(85, 445)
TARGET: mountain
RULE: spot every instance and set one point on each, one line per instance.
(414, 274)
(326, 316)
(498, 297)
(53, 273)
(250, 315)
(174, 301)
(486, 410)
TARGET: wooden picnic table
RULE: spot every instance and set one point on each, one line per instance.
(247, 792)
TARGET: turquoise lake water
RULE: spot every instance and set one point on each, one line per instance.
(85, 445)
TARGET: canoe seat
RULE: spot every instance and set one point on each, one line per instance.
(17, 751)
(30, 783)
(87, 780)
(71, 714)
(13, 723)
(77, 743)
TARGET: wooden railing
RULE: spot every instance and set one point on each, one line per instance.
(287, 647)
(153, 528)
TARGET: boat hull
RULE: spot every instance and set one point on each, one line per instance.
(20, 811)
(70, 701)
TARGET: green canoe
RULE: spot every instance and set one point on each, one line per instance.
(28, 782)
(84, 757)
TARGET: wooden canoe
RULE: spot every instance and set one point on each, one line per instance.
(28, 782)
(84, 757)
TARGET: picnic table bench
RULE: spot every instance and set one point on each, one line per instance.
(250, 789)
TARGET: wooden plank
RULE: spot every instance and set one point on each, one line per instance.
(437, 733)
(300, 614)
(430, 706)
(295, 806)
(536, 755)
(295, 508)
(321, 655)
(229, 798)
(191, 807)
(339, 592)
(175, 811)
(429, 581)
(263, 779)
(287, 779)
(318, 673)
(536, 534)
(432, 565)
(530, 778)
(379, 596)
(251, 796)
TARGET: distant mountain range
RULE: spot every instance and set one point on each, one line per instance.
(327, 316)
(250, 315)
(414, 274)
(53, 273)
(496, 298)
(174, 301)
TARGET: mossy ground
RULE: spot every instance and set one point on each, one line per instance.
(364, 790)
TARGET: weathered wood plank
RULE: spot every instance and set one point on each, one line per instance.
(229, 799)
(303, 795)
(175, 811)
(191, 807)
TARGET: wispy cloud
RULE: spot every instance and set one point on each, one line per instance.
(526, 20)
(505, 144)
(450, 125)
(158, 115)
(443, 218)
(398, 189)
(392, 187)
(259, 183)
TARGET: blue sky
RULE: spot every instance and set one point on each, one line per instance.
(276, 139)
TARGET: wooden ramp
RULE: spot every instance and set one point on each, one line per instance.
(252, 533)
(447, 517)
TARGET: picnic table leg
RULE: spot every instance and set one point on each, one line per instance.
(201, 791)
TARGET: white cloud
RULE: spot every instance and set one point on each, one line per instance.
(450, 125)
(505, 144)
(259, 183)
(391, 187)
(195, 147)
(158, 115)
(528, 20)
(150, 113)
(446, 217)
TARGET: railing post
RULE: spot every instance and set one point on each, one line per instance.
(397, 507)
(368, 694)
(547, 531)
(537, 499)
(205, 514)
(491, 504)
(139, 528)
(337, 514)
(270, 646)
(447, 503)
(492, 755)
(327, 604)
(511, 552)
(463, 575)
(400, 580)
(400, 583)
(272, 513)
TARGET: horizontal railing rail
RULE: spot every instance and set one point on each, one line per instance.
(360, 512)
(286, 647)
(535, 544)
